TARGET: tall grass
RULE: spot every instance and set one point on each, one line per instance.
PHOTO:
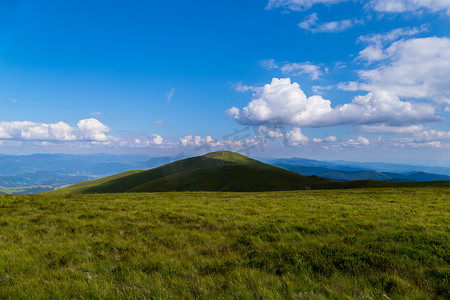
(377, 243)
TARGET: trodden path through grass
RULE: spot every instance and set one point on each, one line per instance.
(374, 243)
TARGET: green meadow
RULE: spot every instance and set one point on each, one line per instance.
(386, 243)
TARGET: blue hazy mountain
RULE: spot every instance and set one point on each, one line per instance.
(345, 171)
(94, 164)
(39, 172)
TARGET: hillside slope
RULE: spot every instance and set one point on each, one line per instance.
(80, 187)
(125, 182)
(217, 171)
(235, 158)
(236, 178)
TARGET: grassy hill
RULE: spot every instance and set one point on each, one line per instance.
(242, 178)
(339, 244)
(235, 158)
(217, 171)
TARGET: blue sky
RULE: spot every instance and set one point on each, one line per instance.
(327, 79)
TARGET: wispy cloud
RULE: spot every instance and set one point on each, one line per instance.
(245, 88)
(159, 122)
(382, 128)
(402, 6)
(394, 34)
(374, 52)
(268, 64)
(300, 4)
(170, 94)
(293, 68)
(311, 24)
(381, 6)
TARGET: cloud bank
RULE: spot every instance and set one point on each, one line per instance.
(402, 6)
(286, 100)
(415, 68)
(86, 130)
(380, 6)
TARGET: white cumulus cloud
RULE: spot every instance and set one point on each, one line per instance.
(286, 100)
(87, 133)
(358, 143)
(402, 6)
(198, 141)
(296, 137)
(331, 138)
(87, 129)
(415, 68)
(433, 135)
(92, 129)
(156, 139)
(363, 141)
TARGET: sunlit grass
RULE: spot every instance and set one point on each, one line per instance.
(308, 244)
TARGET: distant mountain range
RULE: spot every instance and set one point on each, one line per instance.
(34, 173)
(69, 164)
(345, 171)
(219, 171)
(42, 172)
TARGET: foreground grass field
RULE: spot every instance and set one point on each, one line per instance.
(373, 243)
